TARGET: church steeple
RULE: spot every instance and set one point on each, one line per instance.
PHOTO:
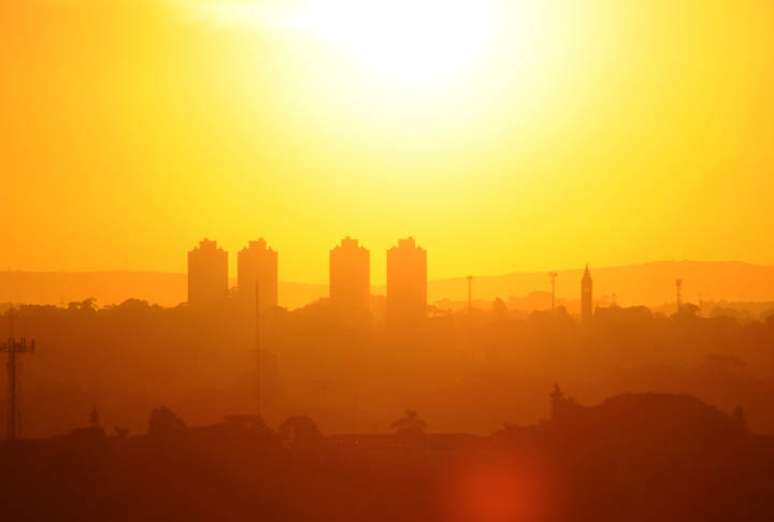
(586, 297)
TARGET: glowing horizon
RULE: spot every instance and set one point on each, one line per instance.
(504, 136)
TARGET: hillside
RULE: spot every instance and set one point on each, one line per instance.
(651, 284)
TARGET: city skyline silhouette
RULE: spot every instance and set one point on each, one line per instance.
(386, 261)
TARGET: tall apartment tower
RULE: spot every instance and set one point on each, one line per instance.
(406, 283)
(257, 275)
(350, 278)
(207, 274)
(586, 297)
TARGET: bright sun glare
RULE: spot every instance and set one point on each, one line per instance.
(411, 40)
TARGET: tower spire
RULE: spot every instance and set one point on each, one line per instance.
(586, 297)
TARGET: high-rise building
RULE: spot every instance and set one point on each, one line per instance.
(207, 274)
(406, 283)
(350, 278)
(257, 275)
(586, 297)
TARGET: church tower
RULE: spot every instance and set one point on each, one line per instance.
(586, 297)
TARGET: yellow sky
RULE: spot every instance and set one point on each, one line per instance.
(518, 135)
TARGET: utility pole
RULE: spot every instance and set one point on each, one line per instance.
(258, 342)
(12, 348)
(679, 289)
(470, 295)
(553, 275)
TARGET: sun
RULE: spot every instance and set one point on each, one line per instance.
(407, 40)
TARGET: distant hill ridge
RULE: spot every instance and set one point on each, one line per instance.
(649, 284)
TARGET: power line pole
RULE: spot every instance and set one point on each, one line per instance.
(258, 342)
(553, 275)
(12, 348)
(470, 294)
(679, 289)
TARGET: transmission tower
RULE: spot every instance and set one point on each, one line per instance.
(258, 343)
(13, 348)
(553, 275)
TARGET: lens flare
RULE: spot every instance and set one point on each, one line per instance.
(499, 487)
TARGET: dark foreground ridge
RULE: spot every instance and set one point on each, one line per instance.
(636, 457)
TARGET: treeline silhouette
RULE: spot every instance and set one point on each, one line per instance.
(466, 372)
(634, 457)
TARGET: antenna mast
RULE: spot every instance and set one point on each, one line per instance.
(258, 343)
(12, 348)
(553, 275)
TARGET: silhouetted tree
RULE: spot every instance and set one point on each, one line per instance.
(300, 431)
(410, 428)
(87, 305)
(164, 423)
(689, 310)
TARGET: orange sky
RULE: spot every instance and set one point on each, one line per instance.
(607, 132)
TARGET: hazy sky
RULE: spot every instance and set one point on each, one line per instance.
(503, 135)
